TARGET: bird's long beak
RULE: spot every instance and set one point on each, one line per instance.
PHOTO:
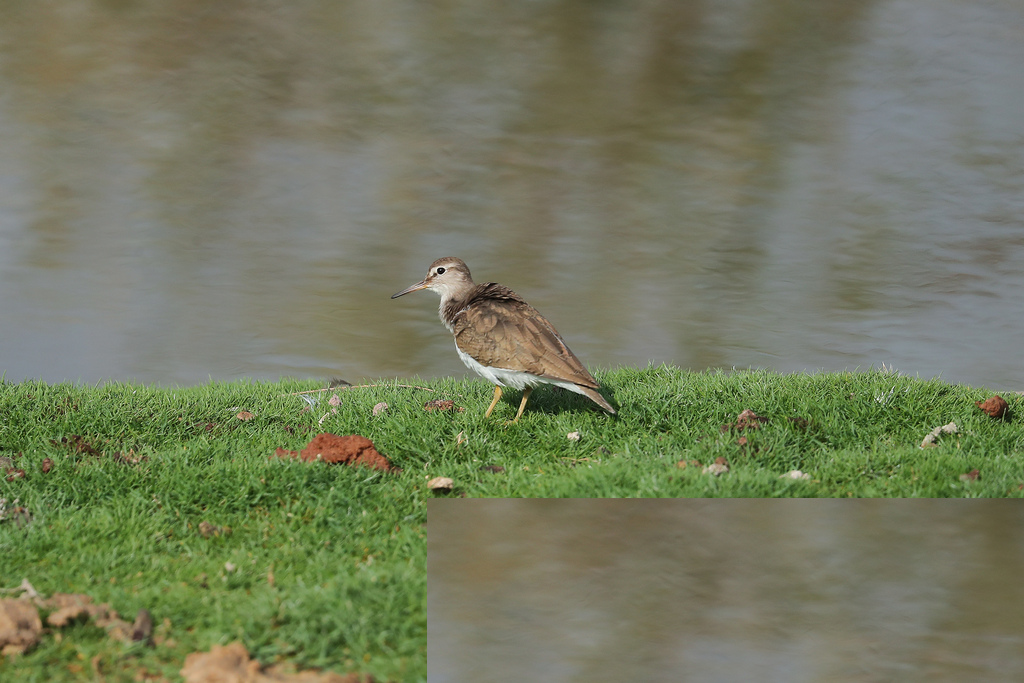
(411, 288)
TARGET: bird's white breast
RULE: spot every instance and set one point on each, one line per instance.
(516, 379)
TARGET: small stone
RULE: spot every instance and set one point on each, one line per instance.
(933, 435)
(718, 467)
(207, 530)
(441, 484)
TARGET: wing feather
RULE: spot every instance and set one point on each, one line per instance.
(498, 328)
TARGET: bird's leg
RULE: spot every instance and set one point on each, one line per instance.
(522, 404)
(497, 396)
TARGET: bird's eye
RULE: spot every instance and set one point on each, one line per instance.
(440, 271)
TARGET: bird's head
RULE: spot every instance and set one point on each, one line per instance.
(448, 276)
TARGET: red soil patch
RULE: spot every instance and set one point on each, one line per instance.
(340, 450)
(993, 407)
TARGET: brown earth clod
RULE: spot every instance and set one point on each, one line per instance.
(747, 419)
(231, 663)
(343, 450)
(441, 405)
(993, 407)
(970, 476)
(20, 627)
(78, 444)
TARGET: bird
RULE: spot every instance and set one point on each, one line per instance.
(502, 338)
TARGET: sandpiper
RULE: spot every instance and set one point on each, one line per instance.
(502, 338)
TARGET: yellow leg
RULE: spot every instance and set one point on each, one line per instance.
(522, 404)
(497, 396)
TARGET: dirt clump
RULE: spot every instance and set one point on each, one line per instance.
(340, 450)
(232, 663)
(993, 407)
(20, 626)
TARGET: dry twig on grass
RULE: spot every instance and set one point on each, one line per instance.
(357, 386)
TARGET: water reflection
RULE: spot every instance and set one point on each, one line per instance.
(789, 591)
(233, 189)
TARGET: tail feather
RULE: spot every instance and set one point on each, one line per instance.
(596, 397)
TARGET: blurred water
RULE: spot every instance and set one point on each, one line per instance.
(192, 190)
(798, 591)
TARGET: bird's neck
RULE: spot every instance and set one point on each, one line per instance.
(453, 303)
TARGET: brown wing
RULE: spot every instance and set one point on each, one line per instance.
(499, 329)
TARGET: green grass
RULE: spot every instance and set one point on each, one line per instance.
(347, 546)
